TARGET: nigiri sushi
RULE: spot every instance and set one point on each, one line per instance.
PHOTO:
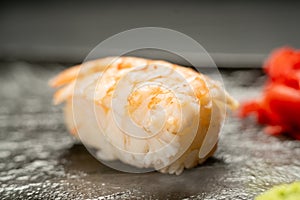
(145, 113)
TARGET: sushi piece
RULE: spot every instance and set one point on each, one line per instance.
(145, 113)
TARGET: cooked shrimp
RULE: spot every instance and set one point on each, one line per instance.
(146, 113)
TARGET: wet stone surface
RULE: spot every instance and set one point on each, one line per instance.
(40, 160)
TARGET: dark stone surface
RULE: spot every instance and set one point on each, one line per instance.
(39, 160)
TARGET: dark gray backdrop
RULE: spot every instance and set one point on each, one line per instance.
(237, 33)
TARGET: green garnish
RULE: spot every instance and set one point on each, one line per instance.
(282, 192)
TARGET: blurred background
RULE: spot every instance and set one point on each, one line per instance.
(236, 33)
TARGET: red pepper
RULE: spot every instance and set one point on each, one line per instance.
(279, 105)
